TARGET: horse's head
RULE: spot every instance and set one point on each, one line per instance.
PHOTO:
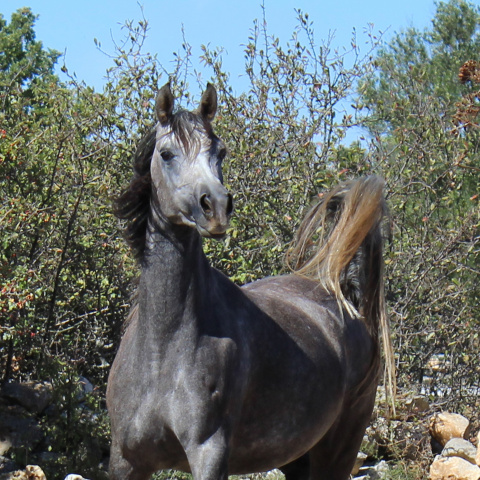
(186, 166)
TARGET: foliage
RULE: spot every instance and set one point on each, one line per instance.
(404, 470)
(431, 164)
(282, 133)
(63, 287)
(172, 475)
(424, 66)
(23, 61)
(77, 428)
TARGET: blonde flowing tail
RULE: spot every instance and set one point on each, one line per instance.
(340, 244)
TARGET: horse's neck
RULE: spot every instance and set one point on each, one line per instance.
(174, 277)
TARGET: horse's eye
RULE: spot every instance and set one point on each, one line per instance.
(166, 155)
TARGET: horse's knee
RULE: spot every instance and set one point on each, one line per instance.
(209, 460)
(120, 468)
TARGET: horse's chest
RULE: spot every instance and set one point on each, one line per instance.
(191, 380)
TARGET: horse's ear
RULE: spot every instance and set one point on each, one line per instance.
(208, 103)
(164, 104)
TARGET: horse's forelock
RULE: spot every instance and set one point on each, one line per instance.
(189, 129)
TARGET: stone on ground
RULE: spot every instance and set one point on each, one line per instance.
(453, 468)
(445, 426)
(459, 447)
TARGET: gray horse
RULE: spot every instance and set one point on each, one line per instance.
(214, 379)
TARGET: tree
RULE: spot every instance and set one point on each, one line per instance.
(282, 133)
(61, 272)
(432, 169)
(424, 66)
(23, 61)
(64, 292)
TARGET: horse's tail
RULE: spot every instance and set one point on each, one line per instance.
(340, 245)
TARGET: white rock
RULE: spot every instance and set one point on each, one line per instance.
(5, 446)
(477, 457)
(459, 447)
(17, 475)
(445, 426)
(377, 472)
(361, 457)
(31, 472)
(381, 470)
(34, 472)
(453, 468)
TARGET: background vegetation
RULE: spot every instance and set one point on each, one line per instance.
(65, 152)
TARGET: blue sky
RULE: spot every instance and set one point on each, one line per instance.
(71, 26)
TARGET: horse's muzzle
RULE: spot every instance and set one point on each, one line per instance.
(216, 207)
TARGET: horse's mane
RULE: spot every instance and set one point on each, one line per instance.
(133, 204)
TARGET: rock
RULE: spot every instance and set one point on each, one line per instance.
(409, 439)
(453, 468)
(477, 456)
(445, 426)
(361, 457)
(34, 472)
(369, 445)
(5, 446)
(377, 472)
(438, 363)
(7, 465)
(17, 475)
(34, 396)
(86, 388)
(378, 431)
(18, 431)
(418, 404)
(459, 447)
(381, 470)
(31, 472)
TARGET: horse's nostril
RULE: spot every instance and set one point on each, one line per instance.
(205, 203)
(229, 204)
(209, 207)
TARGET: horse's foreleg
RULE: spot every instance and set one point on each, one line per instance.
(121, 469)
(209, 460)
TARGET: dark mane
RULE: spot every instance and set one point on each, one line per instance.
(133, 204)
